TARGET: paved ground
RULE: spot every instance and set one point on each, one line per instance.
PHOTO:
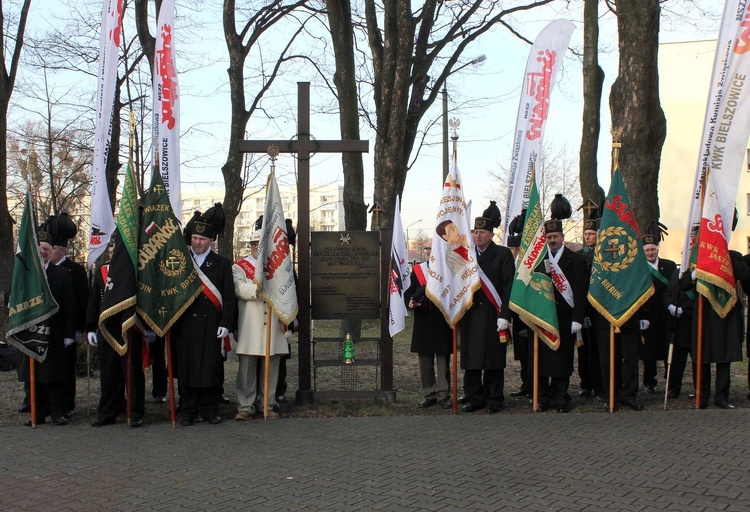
(677, 460)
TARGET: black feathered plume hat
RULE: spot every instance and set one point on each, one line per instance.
(255, 237)
(211, 223)
(515, 228)
(290, 232)
(66, 229)
(189, 229)
(490, 218)
(655, 233)
(560, 210)
(47, 232)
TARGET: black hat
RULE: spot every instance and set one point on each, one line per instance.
(47, 232)
(560, 209)
(515, 229)
(211, 223)
(490, 218)
(553, 226)
(189, 229)
(66, 229)
(655, 233)
(514, 241)
(591, 224)
(290, 232)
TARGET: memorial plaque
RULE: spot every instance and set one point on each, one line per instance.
(345, 274)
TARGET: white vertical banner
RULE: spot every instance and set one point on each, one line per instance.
(453, 276)
(399, 279)
(102, 219)
(167, 108)
(727, 122)
(544, 61)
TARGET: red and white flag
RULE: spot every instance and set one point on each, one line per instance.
(167, 108)
(727, 122)
(544, 61)
(276, 280)
(453, 276)
(399, 279)
(102, 219)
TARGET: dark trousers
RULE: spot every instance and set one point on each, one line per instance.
(649, 373)
(203, 401)
(553, 391)
(678, 366)
(50, 400)
(158, 367)
(588, 363)
(281, 385)
(722, 383)
(113, 370)
(69, 386)
(627, 348)
(484, 387)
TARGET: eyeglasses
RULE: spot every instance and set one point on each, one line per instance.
(428, 248)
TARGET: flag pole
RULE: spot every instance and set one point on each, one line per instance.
(535, 393)
(170, 377)
(699, 340)
(455, 371)
(267, 361)
(611, 368)
(88, 380)
(32, 390)
(129, 381)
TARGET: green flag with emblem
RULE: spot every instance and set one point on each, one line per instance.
(533, 293)
(620, 281)
(30, 303)
(167, 280)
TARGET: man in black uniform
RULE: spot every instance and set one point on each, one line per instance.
(656, 337)
(431, 339)
(50, 375)
(202, 328)
(567, 270)
(482, 353)
(679, 304)
(588, 353)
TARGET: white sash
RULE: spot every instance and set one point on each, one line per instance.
(559, 278)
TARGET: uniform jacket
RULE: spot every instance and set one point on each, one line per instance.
(80, 289)
(431, 333)
(656, 337)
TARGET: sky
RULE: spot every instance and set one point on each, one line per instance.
(484, 97)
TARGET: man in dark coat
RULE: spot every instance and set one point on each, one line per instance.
(482, 352)
(679, 304)
(50, 375)
(567, 269)
(202, 329)
(656, 337)
(588, 353)
(431, 339)
(722, 338)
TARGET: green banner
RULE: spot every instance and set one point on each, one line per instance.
(118, 304)
(167, 280)
(533, 293)
(620, 280)
(30, 303)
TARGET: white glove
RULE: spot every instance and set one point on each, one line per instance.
(502, 324)
(692, 275)
(643, 324)
(69, 341)
(288, 335)
(587, 322)
(223, 332)
(679, 312)
(92, 339)
(575, 327)
(672, 309)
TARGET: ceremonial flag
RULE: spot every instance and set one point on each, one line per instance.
(118, 304)
(533, 293)
(167, 108)
(713, 267)
(399, 279)
(727, 122)
(276, 281)
(167, 278)
(30, 303)
(102, 220)
(620, 280)
(453, 276)
(544, 61)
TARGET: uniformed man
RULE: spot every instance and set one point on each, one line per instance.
(588, 353)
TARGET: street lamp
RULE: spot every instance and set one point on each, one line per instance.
(407, 236)
(472, 62)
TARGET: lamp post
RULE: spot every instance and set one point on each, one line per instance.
(407, 236)
(472, 62)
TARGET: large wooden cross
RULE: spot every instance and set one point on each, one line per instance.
(304, 146)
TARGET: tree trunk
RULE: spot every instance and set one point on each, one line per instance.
(593, 78)
(635, 106)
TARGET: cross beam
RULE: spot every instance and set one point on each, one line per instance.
(304, 146)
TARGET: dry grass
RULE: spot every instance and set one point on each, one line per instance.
(406, 383)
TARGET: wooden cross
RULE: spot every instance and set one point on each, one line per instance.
(615, 248)
(588, 206)
(304, 146)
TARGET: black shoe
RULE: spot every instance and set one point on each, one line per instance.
(446, 403)
(160, 399)
(541, 407)
(68, 415)
(562, 409)
(463, 400)
(100, 422)
(494, 409)
(585, 393)
(724, 405)
(428, 402)
(649, 390)
(60, 421)
(214, 420)
(600, 397)
(280, 398)
(24, 407)
(224, 399)
(471, 407)
(136, 423)
(186, 422)
(632, 404)
(38, 422)
(673, 394)
(520, 392)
